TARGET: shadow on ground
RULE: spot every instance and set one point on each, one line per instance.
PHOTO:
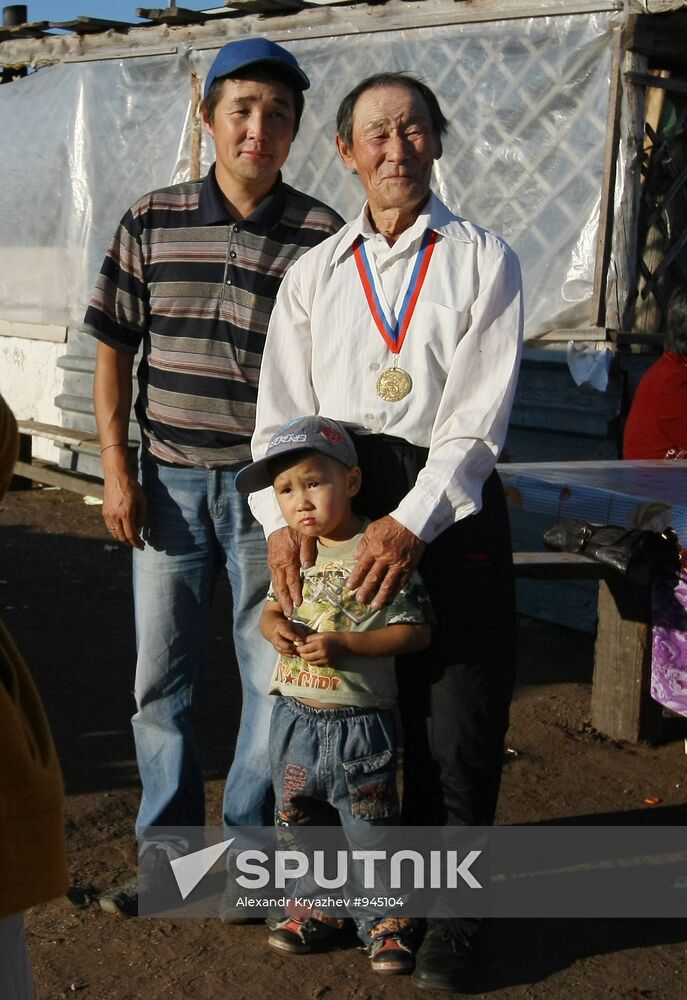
(67, 601)
(65, 594)
(530, 951)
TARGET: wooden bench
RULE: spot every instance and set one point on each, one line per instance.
(622, 707)
(28, 469)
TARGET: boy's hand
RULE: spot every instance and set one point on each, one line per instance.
(285, 637)
(322, 649)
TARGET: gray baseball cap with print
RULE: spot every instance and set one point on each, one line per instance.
(302, 434)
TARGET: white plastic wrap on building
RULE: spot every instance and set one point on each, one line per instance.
(527, 101)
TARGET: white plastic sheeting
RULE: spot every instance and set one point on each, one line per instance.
(527, 100)
(81, 141)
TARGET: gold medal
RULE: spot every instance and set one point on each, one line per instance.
(393, 384)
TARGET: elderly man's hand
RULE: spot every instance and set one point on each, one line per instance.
(387, 554)
(287, 551)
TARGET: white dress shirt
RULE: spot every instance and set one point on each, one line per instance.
(462, 350)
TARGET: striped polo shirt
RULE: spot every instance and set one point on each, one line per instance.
(195, 289)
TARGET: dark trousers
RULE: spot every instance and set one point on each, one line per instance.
(455, 697)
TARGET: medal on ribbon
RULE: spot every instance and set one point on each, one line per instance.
(394, 384)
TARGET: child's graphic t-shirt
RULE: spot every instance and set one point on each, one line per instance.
(329, 606)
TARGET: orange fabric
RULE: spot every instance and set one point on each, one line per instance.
(33, 856)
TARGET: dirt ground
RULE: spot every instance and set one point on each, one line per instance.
(65, 594)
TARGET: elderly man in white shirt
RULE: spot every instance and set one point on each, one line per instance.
(407, 327)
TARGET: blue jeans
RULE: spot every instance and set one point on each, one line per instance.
(197, 524)
(336, 763)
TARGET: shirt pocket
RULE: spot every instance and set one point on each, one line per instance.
(442, 328)
(371, 785)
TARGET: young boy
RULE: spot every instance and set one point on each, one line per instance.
(333, 738)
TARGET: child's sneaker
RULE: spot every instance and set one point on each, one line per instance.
(391, 956)
(300, 936)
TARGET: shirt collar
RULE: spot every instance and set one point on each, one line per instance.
(435, 215)
(212, 209)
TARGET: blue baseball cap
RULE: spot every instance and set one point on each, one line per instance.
(249, 51)
(302, 434)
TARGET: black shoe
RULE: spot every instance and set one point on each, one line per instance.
(444, 961)
(123, 900)
(154, 877)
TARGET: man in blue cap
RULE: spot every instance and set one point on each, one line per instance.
(190, 277)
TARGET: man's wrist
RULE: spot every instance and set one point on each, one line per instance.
(120, 475)
(117, 460)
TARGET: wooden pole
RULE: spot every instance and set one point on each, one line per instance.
(196, 128)
(605, 233)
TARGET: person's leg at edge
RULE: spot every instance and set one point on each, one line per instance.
(16, 978)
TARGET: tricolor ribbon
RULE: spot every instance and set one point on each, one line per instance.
(395, 335)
